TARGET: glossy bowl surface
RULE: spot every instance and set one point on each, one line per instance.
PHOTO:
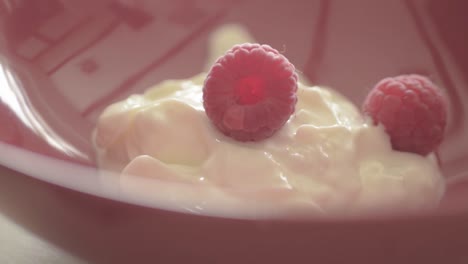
(63, 62)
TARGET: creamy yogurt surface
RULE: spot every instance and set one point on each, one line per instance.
(326, 160)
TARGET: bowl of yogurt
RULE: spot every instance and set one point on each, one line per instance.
(106, 98)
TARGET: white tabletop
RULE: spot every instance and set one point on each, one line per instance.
(18, 244)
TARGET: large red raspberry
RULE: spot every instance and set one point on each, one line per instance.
(412, 110)
(250, 92)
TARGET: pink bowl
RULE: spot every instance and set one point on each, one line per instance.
(62, 62)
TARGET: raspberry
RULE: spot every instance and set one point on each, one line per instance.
(250, 92)
(412, 110)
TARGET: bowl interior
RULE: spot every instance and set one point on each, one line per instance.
(63, 62)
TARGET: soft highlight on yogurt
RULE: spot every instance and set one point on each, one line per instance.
(326, 160)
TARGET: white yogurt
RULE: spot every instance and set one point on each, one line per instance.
(326, 160)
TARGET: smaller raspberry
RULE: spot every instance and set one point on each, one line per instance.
(413, 111)
(250, 92)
